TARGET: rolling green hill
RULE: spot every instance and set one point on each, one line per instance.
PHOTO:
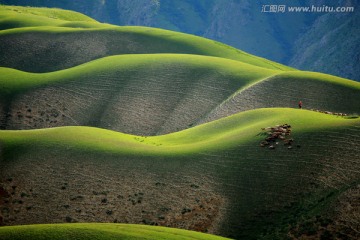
(139, 94)
(17, 17)
(59, 44)
(317, 91)
(145, 126)
(148, 94)
(99, 231)
(213, 177)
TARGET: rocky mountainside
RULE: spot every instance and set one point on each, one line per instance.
(295, 39)
(334, 50)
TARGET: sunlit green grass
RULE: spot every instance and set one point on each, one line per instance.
(16, 16)
(99, 231)
(22, 20)
(214, 136)
(14, 81)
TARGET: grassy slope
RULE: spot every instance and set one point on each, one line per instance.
(43, 13)
(118, 40)
(99, 231)
(259, 184)
(21, 17)
(14, 81)
(214, 136)
(227, 149)
(180, 91)
(317, 91)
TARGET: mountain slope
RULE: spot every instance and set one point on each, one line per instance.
(140, 94)
(213, 177)
(63, 44)
(238, 23)
(326, 49)
(317, 91)
(15, 17)
(161, 93)
(320, 41)
(58, 48)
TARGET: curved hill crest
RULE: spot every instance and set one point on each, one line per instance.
(200, 179)
(62, 44)
(152, 94)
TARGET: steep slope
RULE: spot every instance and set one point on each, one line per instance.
(161, 93)
(99, 231)
(213, 177)
(331, 46)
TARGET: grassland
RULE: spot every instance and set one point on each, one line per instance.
(167, 132)
(99, 231)
(152, 94)
(317, 91)
(212, 178)
(14, 81)
(62, 44)
(26, 14)
(213, 136)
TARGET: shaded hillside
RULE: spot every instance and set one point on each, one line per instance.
(323, 39)
(139, 94)
(214, 177)
(48, 49)
(238, 23)
(184, 157)
(317, 91)
(57, 44)
(161, 93)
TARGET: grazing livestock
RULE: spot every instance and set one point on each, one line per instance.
(279, 132)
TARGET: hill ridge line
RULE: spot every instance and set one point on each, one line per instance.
(134, 55)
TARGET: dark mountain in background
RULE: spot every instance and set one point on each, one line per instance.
(323, 42)
(330, 45)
